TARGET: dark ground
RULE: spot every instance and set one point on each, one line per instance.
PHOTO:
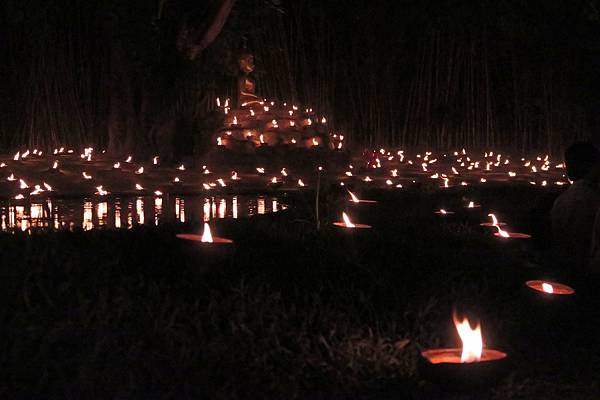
(295, 313)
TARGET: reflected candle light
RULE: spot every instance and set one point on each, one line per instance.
(222, 208)
(139, 210)
(87, 216)
(158, 205)
(206, 210)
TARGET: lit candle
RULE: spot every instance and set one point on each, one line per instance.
(473, 364)
(550, 288)
(206, 239)
(348, 224)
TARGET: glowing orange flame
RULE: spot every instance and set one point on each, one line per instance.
(471, 340)
(347, 221)
(494, 220)
(501, 232)
(548, 288)
(206, 235)
(353, 197)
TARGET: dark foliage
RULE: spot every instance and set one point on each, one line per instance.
(521, 74)
(296, 313)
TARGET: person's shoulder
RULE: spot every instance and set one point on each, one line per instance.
(565, 195)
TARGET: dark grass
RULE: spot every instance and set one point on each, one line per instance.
(295, 313)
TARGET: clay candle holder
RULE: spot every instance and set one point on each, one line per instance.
(205, 252)
(348, 225)
(356, 200)
(553, 310)
(206, 239)
(471, 366)
(443, 212)
(550, 289)
(494, 223)
(362, 209)
(510, 235)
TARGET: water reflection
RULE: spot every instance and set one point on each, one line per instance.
(158, 204)
(88, 222)
(102, 213)
(91, 213)
(139, 210)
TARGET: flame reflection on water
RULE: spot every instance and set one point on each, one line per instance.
(89, 213)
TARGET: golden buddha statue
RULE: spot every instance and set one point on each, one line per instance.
(246, 90)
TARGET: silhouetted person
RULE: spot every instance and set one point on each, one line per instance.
(575, 210)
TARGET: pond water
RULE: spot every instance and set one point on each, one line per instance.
(127, 212)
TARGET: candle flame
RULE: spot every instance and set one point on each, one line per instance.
(501, 232)
(354, 198)
(548, 288)
(472, 342)
(494, 220)
(347, 221)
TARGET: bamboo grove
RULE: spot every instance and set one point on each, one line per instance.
(513, 74)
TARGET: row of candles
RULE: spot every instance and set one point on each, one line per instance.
(459, 364)
(281, 115)
(472, 351)
(453, 170)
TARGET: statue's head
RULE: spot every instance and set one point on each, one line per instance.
(246, 62)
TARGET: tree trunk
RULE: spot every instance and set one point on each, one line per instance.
(122, 118)
(131, 129)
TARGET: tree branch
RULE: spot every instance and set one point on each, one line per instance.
(196, 36)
